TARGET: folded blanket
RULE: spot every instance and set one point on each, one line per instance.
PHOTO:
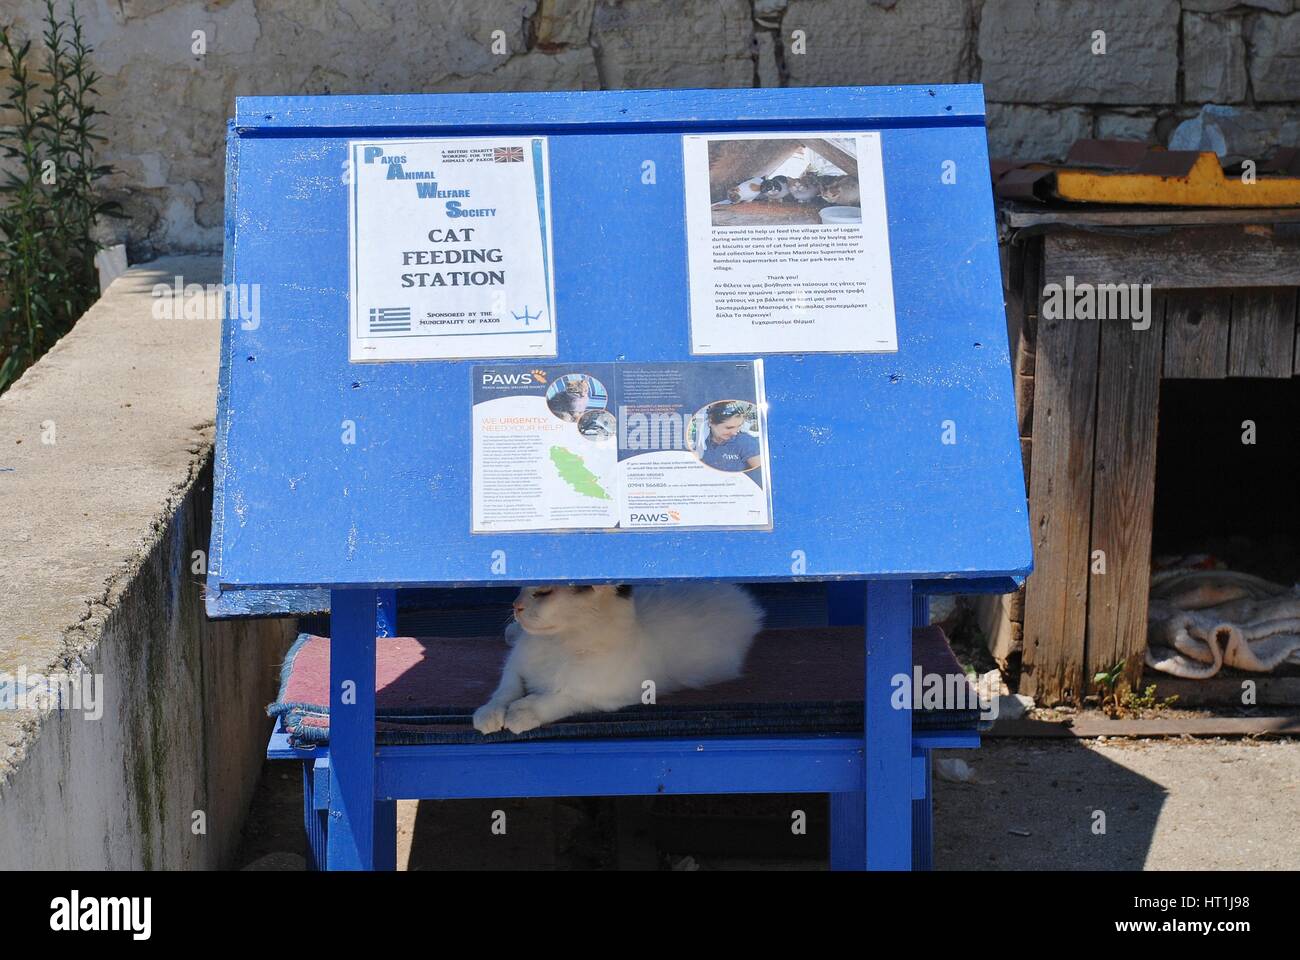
(795, 681)
(1199, 621)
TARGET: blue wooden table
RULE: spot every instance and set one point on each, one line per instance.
(911, 485)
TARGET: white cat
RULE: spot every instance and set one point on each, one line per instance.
(585, 649)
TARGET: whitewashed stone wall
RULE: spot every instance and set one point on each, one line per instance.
(1045, 84)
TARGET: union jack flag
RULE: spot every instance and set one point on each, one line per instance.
(508, 154)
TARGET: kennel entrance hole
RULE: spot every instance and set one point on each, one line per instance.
(1216, 493)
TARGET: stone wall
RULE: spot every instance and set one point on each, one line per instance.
(1047, 81)
(105, 496)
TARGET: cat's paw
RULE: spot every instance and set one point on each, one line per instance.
(489, 718)
(521, 718)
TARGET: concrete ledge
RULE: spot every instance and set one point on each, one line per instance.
(105, 477)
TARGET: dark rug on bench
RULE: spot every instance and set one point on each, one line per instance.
(795, 681)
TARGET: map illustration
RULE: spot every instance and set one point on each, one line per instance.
(573, 471)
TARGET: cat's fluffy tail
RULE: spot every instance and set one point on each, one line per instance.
(701, 631)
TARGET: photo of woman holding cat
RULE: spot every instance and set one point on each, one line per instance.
(724, 435)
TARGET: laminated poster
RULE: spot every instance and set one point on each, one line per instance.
(450, 249)
(620, 446)
(788, 242)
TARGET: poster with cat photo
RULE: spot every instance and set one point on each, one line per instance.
(620, 446)
(788, 243)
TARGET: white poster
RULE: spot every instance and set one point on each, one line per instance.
(450, 249)
(789, 244)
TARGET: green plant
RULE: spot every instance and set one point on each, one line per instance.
(1106, 681)
(1147, 700)
(48, 199)
(1116, 703)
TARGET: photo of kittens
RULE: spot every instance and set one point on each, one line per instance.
(582, 649)
(785, 181)
(811, 189)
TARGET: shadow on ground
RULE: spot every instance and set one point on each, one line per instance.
(1035, 806)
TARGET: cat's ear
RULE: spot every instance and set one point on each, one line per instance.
(615, 589)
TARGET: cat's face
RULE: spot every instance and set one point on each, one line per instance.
(804, 187)
(544, 610)
(841, 190)
(571, 402)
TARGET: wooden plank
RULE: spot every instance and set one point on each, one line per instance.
(1009, 263)
(1020, 218)
(1223, 691)
(1023, 285)
(1031, 299)
(1196, 334)
(1086, 727)
(1060, 501)
(1003, 633)
(1263, 333)
(1181, 258)
(1025, 404)
(1015, 603)
(1123, 493)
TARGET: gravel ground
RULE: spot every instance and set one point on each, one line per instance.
(1167, 805)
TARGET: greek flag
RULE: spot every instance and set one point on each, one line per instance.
(390, 320)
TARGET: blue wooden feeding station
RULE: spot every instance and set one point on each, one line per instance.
(890, 474)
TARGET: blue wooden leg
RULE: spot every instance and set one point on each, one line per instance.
(923, 807)
(888, 730)
(385, 834)
(386, 810)
(846, 607)
(313, 816)
(923, 819)
(848, 831)
(351, 840)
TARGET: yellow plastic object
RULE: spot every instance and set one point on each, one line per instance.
(1203, 186)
